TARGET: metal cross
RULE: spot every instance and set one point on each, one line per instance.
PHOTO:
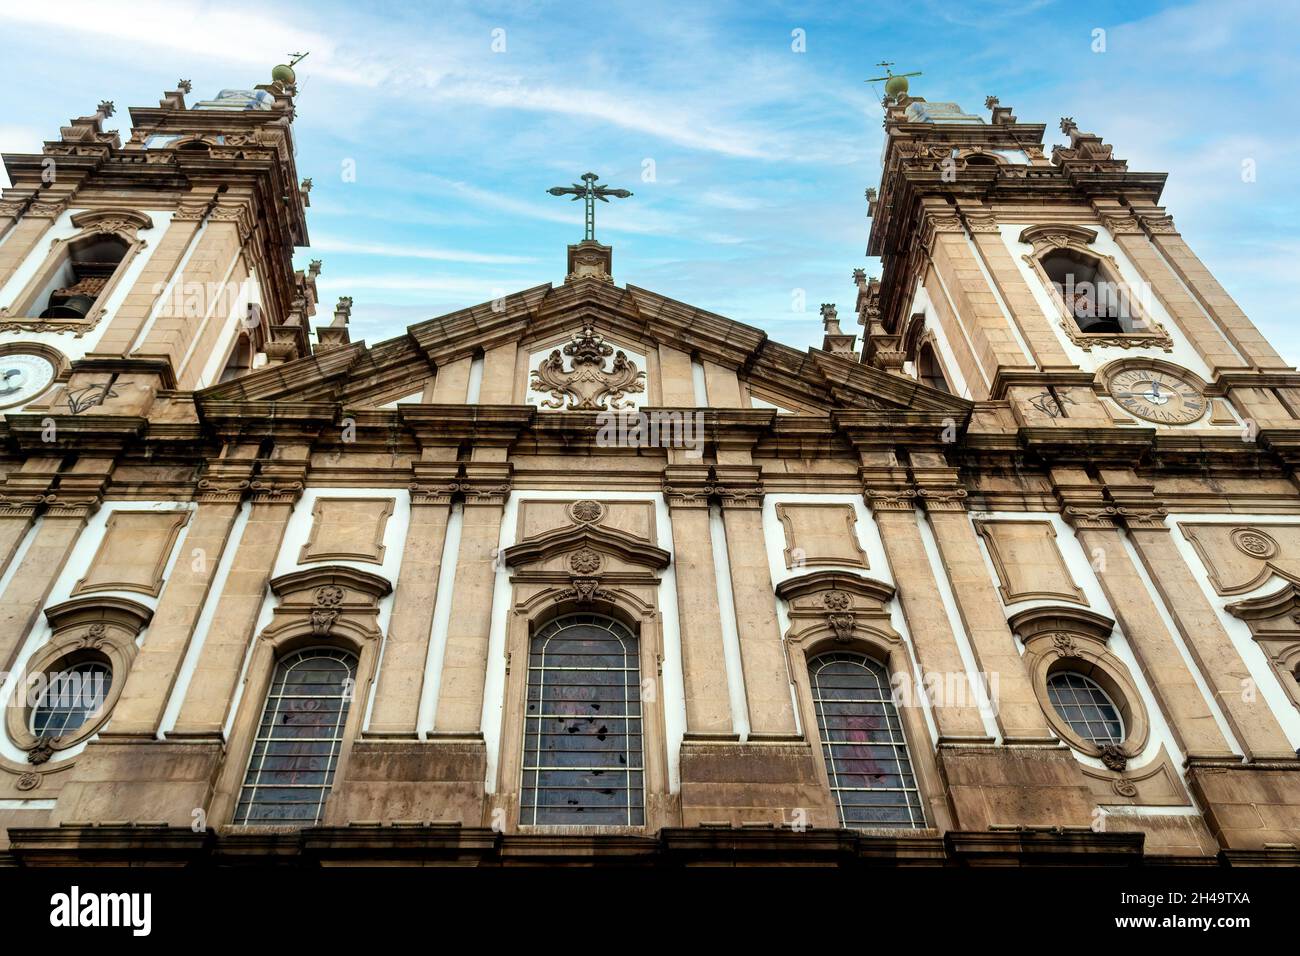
(590, 192)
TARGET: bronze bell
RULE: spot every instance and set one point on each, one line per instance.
(63, 306)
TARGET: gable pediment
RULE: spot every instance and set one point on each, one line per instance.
(529, 349)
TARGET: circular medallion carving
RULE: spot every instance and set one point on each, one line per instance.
(28, 781)
(1124, 788)
(329, 595)
(586, 511)
(1254, 542)
(585, 561)
(836, 601)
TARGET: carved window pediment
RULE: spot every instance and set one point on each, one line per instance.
(842, 605)
(327, 602)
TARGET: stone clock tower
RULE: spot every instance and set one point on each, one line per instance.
(131, 269)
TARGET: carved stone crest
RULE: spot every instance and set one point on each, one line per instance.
(1114, 758)
(587, 385)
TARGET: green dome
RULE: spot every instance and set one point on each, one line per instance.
(284, 74)
(896, 86)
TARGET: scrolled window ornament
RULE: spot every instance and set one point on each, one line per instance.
(587, 385)
(1114, 757)
(41, 751)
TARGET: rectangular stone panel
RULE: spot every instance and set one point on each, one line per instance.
(134, 551)
(1028, 562)
(347, 529)
(821, 535)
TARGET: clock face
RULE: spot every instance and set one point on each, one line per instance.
(1157, 395)
(23, 376)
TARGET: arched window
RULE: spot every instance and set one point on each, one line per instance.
(70, 699)
(583, 755)
(78, 282)
(1095, 300)
(1086, 708)
(929, 371)
(299, 738)
(862, 739)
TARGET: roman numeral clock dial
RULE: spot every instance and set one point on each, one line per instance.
(1158, 395)
(23, 376)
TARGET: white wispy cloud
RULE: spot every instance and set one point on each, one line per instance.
(335, 244)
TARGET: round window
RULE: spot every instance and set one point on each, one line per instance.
(1086, 708)
(70, 698)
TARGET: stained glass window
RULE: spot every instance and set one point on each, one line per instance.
(862, 739)
(298, 740)
(582, 726)
(70, 698)
(1086, 708)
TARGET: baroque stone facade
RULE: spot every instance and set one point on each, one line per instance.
(587, 573)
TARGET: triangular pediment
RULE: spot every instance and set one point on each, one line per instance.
(668, 346)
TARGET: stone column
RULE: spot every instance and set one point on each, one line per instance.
(1019, 715)
(763, 662)
(24, 236)
(125, 324)
(173, 329)
(68, 506)
(25, 597)
(406, 649)
(989, 331)
(1097, 525)
(464, 665)
(927, 620)
(1251, 720)
(153, 674)
(1209, 341)
(704, 667)
(1207, 290)
(212, 687)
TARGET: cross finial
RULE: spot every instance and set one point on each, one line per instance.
(589, 191)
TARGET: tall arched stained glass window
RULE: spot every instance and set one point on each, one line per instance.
(862, 739)
(583, 748)
(299, 738)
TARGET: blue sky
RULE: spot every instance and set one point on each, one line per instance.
(760, 154)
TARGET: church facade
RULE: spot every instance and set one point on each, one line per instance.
(586, 574)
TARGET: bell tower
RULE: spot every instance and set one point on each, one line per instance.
(1053, 281)
(161, 263)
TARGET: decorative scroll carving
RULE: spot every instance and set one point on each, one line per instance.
(1114, 757)
(587, 384)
